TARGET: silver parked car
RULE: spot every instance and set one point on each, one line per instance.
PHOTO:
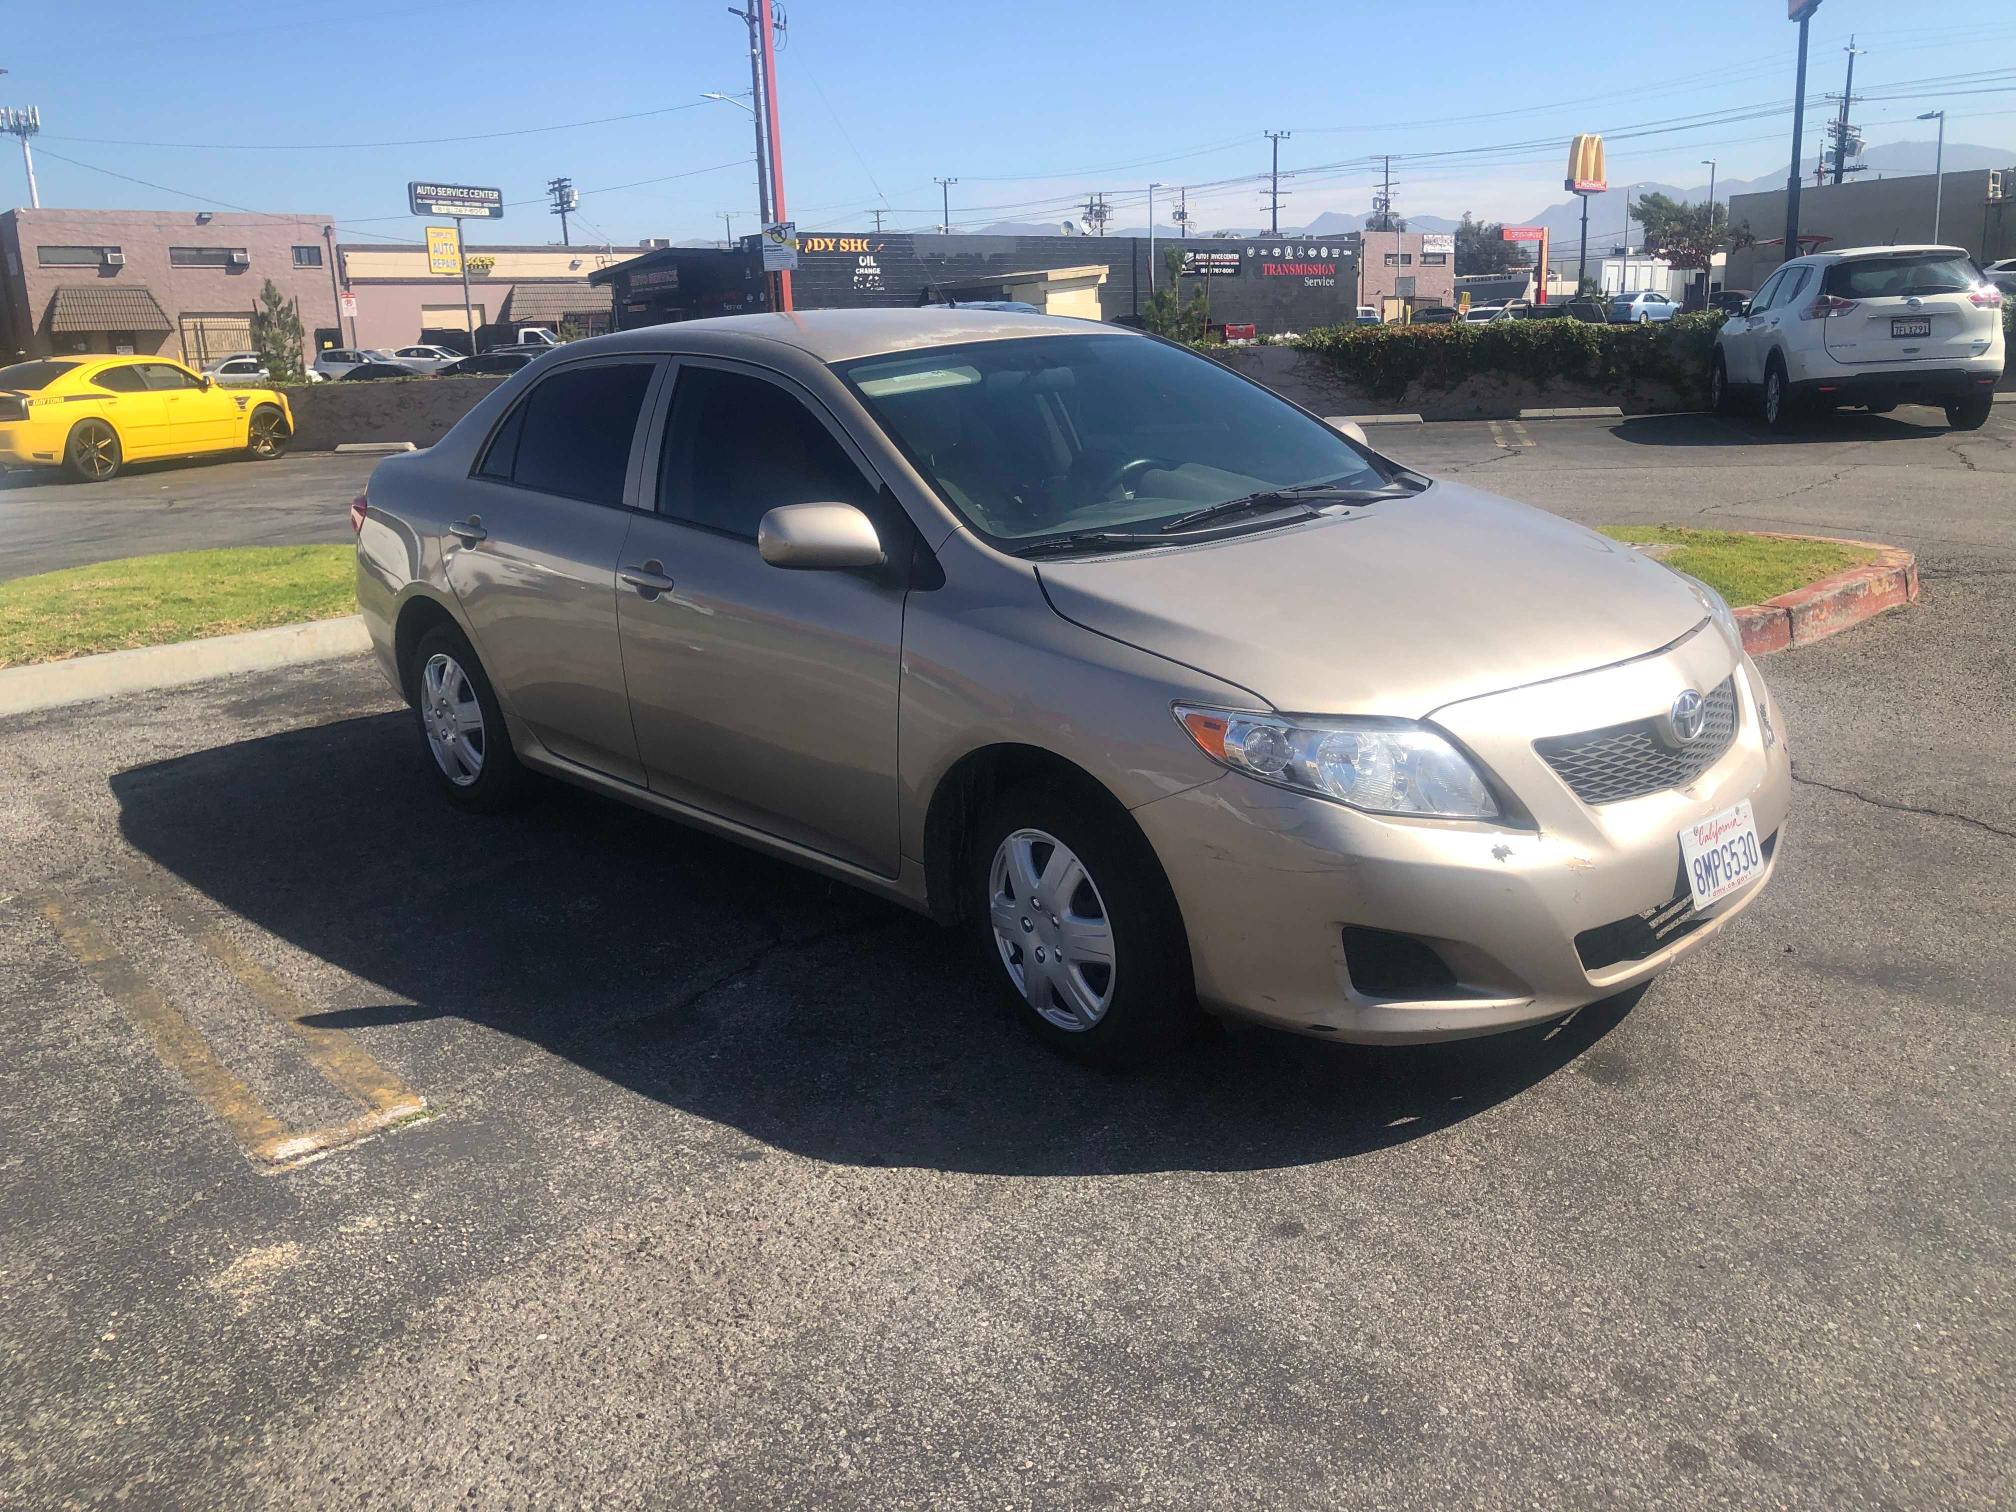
(1166, 690)
(424, 359)
(334, 362)
(1642, 308)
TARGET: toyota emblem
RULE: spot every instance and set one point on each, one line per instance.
(1686, 719)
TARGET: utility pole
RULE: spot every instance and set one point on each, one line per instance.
(1274, 183)
(728, 229)
(1181, 214)
(336, 288)
(1151, 236)
(878, 214)
(1938, 168)
(561, 192)
(1096, 212)
(1708, 269)
(1798, 134)
(944, 203)
(1382, 202)
(24, 124)
(756, 112)
(1845, 141)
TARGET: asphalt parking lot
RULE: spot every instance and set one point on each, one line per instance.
(355, 1151)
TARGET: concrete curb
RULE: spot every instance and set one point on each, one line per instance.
(376, 448)
(1380, 419)
(50, 685)
(1574, 412)
(1834, 603)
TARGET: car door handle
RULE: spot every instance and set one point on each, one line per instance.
(647, 579)
(469, 531)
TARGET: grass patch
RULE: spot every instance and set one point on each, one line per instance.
(180, 595)
(1744, 569)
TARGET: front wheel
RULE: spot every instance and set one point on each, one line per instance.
(1970, 413)
(267, 436)
(93, 454)
(1077, 924)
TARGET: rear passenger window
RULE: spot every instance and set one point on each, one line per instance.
(121, 380)
(738, 447)
(571, 435)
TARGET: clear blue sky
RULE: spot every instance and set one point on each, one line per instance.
(1030, 104)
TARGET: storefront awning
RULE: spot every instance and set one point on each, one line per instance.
(124, 307)
(530, 303)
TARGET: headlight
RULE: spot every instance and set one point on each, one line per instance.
(1384, 766)
(1717, 607)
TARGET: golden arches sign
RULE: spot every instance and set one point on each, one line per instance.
(1585, 165)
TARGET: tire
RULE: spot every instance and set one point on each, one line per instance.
(1141, 1003)
(1970, 413)
(92, 453)
(462, 730)
(1780, 411)
(266, 434)
(1720, 400)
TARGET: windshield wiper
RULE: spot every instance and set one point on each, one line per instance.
(1088, 540)
(1275, 498)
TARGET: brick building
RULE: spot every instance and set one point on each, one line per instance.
(178, 283)
(1411, 269)
(399, 301)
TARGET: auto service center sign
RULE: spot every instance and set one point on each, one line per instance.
(463, 200)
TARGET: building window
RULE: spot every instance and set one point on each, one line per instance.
(71, 257)
(1400, 259)
(307, 257)
(207, 257)
(1434, 259)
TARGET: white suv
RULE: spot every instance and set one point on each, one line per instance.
(1874, 326)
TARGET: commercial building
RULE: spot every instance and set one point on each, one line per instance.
(1976, 210)
(1274, 284)
(1400, 271)
(177, 283)
(399, 301)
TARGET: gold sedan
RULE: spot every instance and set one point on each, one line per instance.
(90, 416)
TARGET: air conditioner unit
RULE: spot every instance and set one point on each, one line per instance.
(114, 258)
(241, 259)
(2000, 182)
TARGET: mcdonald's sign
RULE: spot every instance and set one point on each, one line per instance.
(1585, 166)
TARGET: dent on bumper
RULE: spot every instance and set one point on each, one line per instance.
(1267, 881)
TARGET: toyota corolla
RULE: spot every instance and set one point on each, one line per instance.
(1171, 694)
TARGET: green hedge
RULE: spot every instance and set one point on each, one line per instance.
(1386, 360)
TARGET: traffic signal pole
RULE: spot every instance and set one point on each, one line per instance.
(769, 45)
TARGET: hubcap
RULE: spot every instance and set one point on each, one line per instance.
(94, 450)
(453, 719)
(265, 434)
(1772, 397)
(1060, 958)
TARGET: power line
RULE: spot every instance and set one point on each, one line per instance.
(481, 136)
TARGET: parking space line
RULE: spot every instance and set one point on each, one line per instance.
(182, 1048)
(173, 1038)
(1519, 430)
(1498, 436)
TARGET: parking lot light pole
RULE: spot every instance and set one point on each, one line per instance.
(1803, 15)
(1151, 236)
(1938, 167)
(1708, 268)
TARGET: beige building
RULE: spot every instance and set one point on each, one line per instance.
(399, 301)
(1400, 271)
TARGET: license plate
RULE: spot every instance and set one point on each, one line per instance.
(1911, 328)
(1721, 854)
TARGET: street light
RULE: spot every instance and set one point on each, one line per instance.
(1708, 272)
(1938, 166)
(728, 100)
(1151, 236)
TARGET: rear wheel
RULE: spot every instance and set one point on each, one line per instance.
(1970, 413)
(92, 454)
(1077, 924)
(1779, 412)
(463, 725)
(267, 436)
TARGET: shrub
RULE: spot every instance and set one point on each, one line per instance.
(1386, 360)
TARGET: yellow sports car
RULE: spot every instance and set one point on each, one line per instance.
(90, 416)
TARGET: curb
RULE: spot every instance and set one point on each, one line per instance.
(1379, 419)
(1834, 603)
(1574, 412)
(50, 685)
(375, 448)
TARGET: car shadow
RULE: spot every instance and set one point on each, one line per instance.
(39, 477)
(742, 989)
(1840, 426)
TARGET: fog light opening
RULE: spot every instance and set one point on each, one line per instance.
(1383, 964)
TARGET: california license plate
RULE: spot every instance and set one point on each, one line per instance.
(1911, 328)
(1721, 854)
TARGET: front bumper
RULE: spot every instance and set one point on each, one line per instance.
(1268, 880)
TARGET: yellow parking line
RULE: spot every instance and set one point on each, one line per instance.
(1498, 437)
(172, 1036)
(1519, 429)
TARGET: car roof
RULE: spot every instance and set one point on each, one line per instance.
(839, 335)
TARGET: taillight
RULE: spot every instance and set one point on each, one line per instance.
(13, 407)
(1987, 297)
(359, 507)
(1826, 307)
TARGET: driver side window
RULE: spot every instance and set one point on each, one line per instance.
(1761, 300)
(737, 447)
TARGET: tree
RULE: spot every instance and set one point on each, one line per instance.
(1166, 312)
(1481, 248)
(276, 336)
(1687, 236)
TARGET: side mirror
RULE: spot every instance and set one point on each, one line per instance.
(206, 380)
(1350, 430)
(818, 537)
(1743, 308)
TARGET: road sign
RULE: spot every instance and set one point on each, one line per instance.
(461, 200)
(443, 253)
(346, 302)
(780, 247)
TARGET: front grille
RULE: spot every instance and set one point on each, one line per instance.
(1636, 937)
(1630, 760)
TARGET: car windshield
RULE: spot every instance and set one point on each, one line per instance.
(25, 376)
(1048, 436)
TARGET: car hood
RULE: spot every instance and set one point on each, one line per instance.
(1398, 608)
